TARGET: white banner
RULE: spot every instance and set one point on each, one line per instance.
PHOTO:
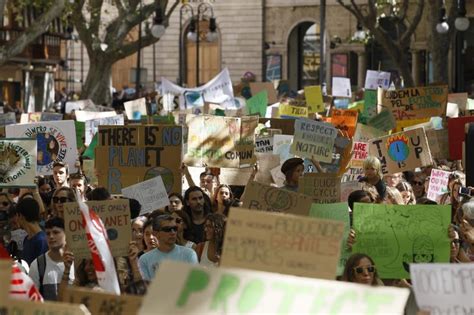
(82, 115)
(92, 126)
(17, 162)
(151, 194)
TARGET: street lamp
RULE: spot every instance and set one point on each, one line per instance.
(211, 35)
(462, 22)
(186, 8)
(442, 27)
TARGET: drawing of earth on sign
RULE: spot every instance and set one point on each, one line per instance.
(166, 175)
(9, 160)
(397, 147)
(48, 148)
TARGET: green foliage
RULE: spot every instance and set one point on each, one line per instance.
(15, 8)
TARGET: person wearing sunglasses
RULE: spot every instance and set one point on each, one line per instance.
(166, 231)
(60, 197)
(360, 268)
(418, 185)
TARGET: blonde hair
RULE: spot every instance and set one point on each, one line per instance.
(373, 162)
(394, 196)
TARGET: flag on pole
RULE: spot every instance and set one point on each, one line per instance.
(22, 287)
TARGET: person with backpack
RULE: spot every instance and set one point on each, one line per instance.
(47, 270)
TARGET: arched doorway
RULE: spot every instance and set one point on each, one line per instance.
(303, 55)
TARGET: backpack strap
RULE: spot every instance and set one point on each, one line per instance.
(41, 262)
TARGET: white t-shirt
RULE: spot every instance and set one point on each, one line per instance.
(53, 274)
(205, 261)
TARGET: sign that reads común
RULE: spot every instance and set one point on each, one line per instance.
(444, 288)
(92, 126)
(115, 214)
(403, 151)
(419, 102)
(221, 141)
(198, 290)
(314, 140)
(56, 142)
(133, 154)
(267, 198)
(17, 162)
(275, 242)
(396, 236)
(321, 187)
(151, 194)
(438, 184)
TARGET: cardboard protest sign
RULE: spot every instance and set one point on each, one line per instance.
(294, 245)
(375, 79)
(115, 214)
(383, 121)
(314, 98)
(337, 212)
(277, 176)
(322, 187)
(267, 198)
(13, 307)
(266, 162)
(347, 188)
(135, 109)
(7, 119)
(78, 105)
(396, 236)
(403, 151)
(264, 144)
(83, 115)
(40, 116)
(409, 124)
(88, 168)
(361, 152)
(313, 139)
(460, 103)
(221, 141)
(281, 146)
(366, 133)
(345, 120)
(419, 102)
(151, 194)
(287, 110)
(257, 104)
(257, 87)
(92, 126)
(439, 143)
(456, 135)
(341, 87)
(133, 154)
(198, 290)
(443, 288)
(56, 142)
(235, 176)
(352, 175)
(370, 106)
(17, 162)
(438, 184)
(98, 302)
(287, 126)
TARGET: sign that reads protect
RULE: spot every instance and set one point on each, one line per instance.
(17, 162)
(133, 154)
(294, 245)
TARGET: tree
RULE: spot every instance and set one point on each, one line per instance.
(130, 13)
(370, 15)
(14, 47)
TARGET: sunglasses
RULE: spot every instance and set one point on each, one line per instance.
(417, 183)
(61, 199)
(169, 229)
(370, 269)
(456, 241)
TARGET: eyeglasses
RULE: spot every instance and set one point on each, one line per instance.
(169, 229)
(370, 269)
(179, 221)
(417, 183)
(456, 241)
(61, 199)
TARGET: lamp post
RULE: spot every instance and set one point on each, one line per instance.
(185, 9)
(461, 24)
(322, 42)
(211, 35)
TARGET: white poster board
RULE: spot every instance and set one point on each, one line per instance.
(17, 162)
(341, 87)
(374, 79)
(438, 184)
(92, 126)
(83, 115)
(135, 109)
(151, 194)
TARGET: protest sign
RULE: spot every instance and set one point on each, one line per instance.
(396, 236)
(281, 146)
(370, 106)
(287, 126)
(366, 133)
(375, 79)
(459, 105)
(7, 119)
(403, 151)
(348, 187)
(456, 135)
(257, 104)
(14, 307)
(361, 152)
(40, 116)
(98, 302)
(80, 128)
(115, 214)
(341, 87)
(82, 115)
(235, 176)
(322, 187)
(221, 141)
(383, 121)
(2, 131)
(404, 125)
(17, 162)
(277, 176)
(341, 103)
(257, 87)
(88, 168)
(266, 162)
(264, 144)
(287, 110)
(56, 142)
(92, 126)
(438, 142)
(314, 98)
(133, 154)
(78, 105)
(313, 139)
(470, 104)
(275, 242)
(198, 290)
(352, 175)
(443, 288)
(151, 194)
(267, 198)
(337, 212)
(345, 120)
(135, 109)
(438, 184)
(415, 103)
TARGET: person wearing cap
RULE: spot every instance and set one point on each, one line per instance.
(292, 169)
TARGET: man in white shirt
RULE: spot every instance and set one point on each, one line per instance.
(47, 270)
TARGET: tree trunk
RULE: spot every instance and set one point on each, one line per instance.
(98, 85)
(405, 71)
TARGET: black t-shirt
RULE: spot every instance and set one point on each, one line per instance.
(195, 233)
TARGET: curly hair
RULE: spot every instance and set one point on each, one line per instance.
(218, 222)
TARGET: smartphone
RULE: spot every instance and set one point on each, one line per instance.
(465, 191)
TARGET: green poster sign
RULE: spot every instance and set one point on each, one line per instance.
(370, 106)
(397, 235)
(338, 212)
(80, 133)
(257, 104)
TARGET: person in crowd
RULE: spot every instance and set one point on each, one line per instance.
(407, 192)
(78, 182)
(222, 200)
(60, 174)
(44, 185)
(149, 239)
(165, 229)
(47, 269)
(452, 195)
(392, 180)
(373, 177)
(208, 182)
(457, 254)
(28, 216)
(182, 221)
(393, 196)
(198, 206)
(176, 202)
(60, 197)
(293, 169)
(360, 268)
(467, 229)
(137, 232)
(209, 252)
(98, 194)
(85, 276)
(418, 185)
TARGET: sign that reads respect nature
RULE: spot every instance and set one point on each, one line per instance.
(403, 151)
(419, 102)
(199, 290)
(133, 154)
(275, 242)
(321, 187)
(17, 162)
(115, 214)
(313, 139)
(221, 141)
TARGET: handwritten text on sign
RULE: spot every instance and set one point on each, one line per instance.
(313, 140)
